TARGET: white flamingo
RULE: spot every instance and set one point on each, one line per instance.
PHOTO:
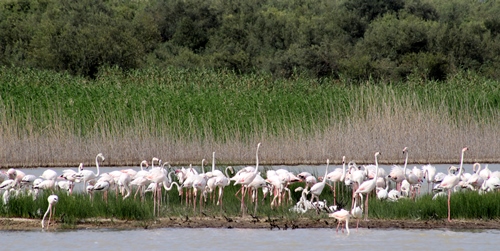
(318, 187)
(87, 175)
(368, 186)
(337, 175)
(411, 178)
(451, 180)
(342, 216)
(246, 178)
(52, 199)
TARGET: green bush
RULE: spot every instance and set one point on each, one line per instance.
(317, 38)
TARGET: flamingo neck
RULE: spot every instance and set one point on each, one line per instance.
(406, 163)
(213, 161)
(343, 171)
(97, 165)
(326, 171)
(257, 159)
(461, 164)
(227, 175)
(478, 169)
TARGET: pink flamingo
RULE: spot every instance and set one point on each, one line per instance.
(451, 180)
(342, 216)
(246, 178)
(337, 175)
(368, 186)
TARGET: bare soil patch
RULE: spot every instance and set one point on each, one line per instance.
(244, 222)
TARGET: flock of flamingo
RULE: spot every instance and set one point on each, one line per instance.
(363, 180)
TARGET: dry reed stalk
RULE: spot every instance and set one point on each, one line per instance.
(431, 136)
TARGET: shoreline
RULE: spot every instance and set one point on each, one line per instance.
(23, 224)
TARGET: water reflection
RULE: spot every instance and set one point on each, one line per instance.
(250, 239)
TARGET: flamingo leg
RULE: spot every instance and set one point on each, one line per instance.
(449, 199)
(243, 200)
(334, 193)
(50, 216)
(366, 207)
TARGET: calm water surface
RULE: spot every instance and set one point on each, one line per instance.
(251, 239)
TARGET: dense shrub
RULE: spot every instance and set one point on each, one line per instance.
(358, 39)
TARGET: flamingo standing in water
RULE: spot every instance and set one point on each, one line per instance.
(451, 180)
(357, 211)
(342, 216)
(52, 199)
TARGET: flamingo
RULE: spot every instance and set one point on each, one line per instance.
(44, 185)
(88, 175)
(357, 211)
(221, 182)
(318, 187)
(52, 199)
(28, 180)
(257, 183)
(142, 172)
(368, 186)
(124, 184)
(341, 216)
(103, 185)
(491, 184)
(199, 183)
(410, 177)
(383, 192)
(475, 180)
(277, 184)
(429, 174)
(246, 178)
(158, 176)
(70, 175)
(485, 173)
(452, 180)
(15, 175)
(337, 176)
(397, 175)
(49, 174)
(356, 177)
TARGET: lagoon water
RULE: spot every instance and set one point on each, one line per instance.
(251, 239)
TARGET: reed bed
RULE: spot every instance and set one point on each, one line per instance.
(182, 116)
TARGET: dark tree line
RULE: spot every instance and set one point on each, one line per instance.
(352, 39)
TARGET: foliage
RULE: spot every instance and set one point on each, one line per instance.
(355, 39)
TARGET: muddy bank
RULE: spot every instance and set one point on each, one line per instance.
(244, 222)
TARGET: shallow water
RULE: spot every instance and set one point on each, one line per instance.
(250, 239)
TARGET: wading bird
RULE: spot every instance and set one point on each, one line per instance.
(52, 199)
(451, 180)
